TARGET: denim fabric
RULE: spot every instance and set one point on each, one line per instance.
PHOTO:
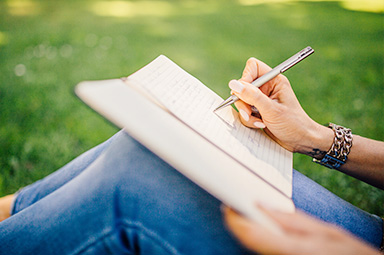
(119, 198)
(321, 203)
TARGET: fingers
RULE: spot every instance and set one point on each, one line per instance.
(250, 95)
(257, 96)
(298, 222)
(253, 236)
(253, 96)
(247, 117)
(302, 234)
(260, 239)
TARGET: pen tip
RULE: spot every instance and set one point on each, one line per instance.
(218, 108)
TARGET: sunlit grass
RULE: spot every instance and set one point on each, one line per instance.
(355, 5)
(23, 7)
(132, 9)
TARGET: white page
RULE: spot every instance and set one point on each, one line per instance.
(193, 103)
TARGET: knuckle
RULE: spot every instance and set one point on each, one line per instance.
(251, 59)
(282, 79)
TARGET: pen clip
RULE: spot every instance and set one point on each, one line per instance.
(296, 58)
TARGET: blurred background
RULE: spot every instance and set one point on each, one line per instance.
(47, 47)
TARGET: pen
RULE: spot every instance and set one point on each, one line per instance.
(271, 74)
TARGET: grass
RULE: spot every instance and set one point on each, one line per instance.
(47, 47)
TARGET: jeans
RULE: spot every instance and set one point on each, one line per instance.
(120, 198)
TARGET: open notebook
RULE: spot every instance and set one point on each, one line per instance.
(171, 113)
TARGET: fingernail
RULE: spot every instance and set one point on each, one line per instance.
(244, 115)
(236, 86)
(259, 124)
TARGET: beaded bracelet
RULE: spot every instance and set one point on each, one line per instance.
(338, 153)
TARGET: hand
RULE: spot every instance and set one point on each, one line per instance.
(282, 115)
(302, 234)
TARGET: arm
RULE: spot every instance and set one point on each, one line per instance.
(366, 161)
(287, 123)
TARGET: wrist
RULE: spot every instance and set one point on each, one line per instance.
(317, 141)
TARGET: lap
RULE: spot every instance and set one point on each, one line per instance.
(149, 195)
(137, 202)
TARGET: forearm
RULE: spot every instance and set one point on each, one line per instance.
(365, 160)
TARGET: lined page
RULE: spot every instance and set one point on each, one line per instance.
(193, 103)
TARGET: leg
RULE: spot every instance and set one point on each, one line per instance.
(146, 189)
(128, 201)
(321, 203)
(36, 191)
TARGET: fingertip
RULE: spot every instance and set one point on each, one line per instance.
(259, 124)
(244, 115)
(236, 86)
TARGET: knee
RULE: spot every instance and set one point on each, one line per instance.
(129, 166)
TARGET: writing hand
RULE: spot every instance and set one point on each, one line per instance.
(282, 115)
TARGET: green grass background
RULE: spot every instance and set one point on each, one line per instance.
(47, 47)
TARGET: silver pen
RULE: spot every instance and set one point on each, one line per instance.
(271, 74)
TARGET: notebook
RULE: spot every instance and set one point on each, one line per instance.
(171, 113)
